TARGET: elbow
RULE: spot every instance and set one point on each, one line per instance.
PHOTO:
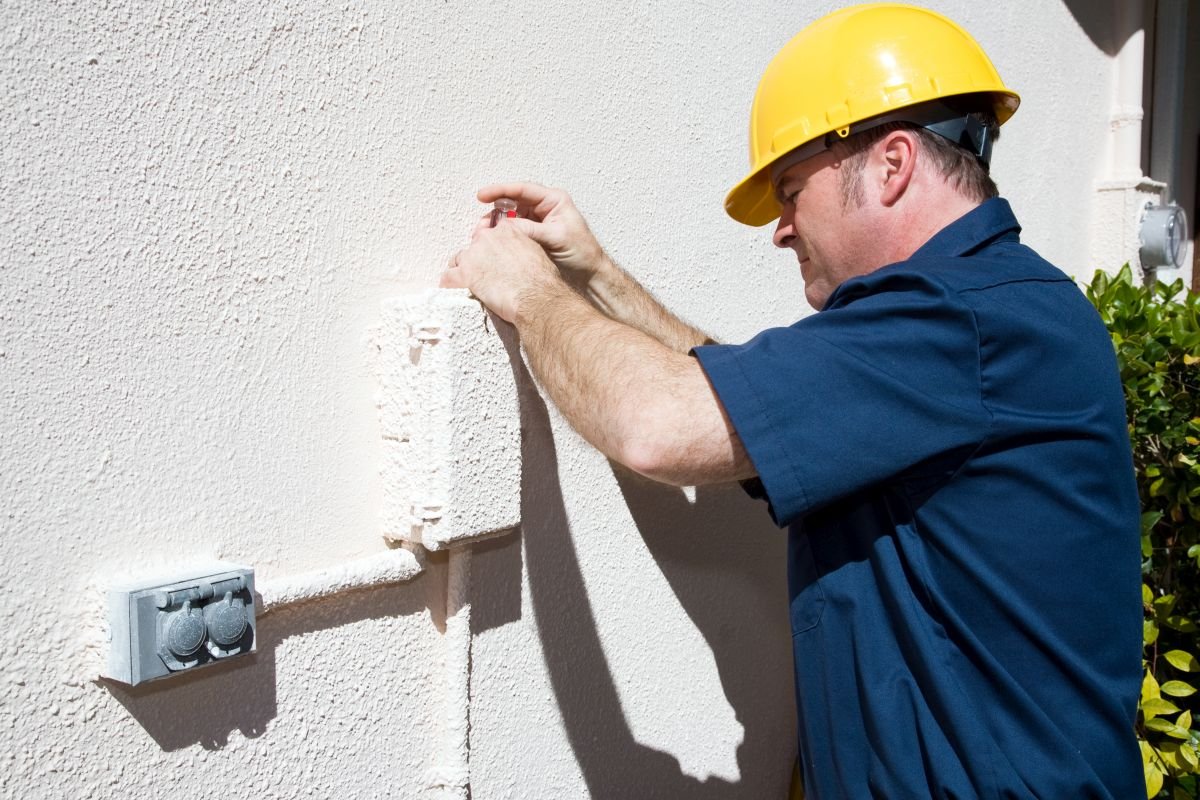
(652, 459)
(681, 437)
(661, 453)
(643, 440)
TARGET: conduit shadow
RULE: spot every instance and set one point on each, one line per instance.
(205, 707)
(496, 571)
(613, 762)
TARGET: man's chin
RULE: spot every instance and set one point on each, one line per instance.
(815, 292)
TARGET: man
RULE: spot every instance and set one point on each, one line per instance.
(945, 440)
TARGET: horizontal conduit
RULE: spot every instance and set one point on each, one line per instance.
(391, 566)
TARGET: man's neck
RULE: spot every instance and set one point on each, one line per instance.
(920, 217)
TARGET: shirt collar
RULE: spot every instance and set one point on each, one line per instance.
(990, 220)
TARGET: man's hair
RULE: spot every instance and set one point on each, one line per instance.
(959, 166)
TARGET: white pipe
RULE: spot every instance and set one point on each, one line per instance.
(1125, 161)
(390, 566)
(450, 777)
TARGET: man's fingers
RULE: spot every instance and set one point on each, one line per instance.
(453, 277)
(488, 221)
(483, 224)
(527, 194)
(527, 227)
(533, 199)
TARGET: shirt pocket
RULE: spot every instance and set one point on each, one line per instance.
(804, 586)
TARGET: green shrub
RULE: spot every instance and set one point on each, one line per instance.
(1156, 333)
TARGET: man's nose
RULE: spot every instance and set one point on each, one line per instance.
(785, 232)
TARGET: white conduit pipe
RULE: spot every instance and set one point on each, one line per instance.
(390, 566)
(450, 777)
(1126, 120)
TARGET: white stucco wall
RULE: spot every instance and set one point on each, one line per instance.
(202, 205)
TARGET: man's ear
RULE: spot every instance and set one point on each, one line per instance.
(898, 154)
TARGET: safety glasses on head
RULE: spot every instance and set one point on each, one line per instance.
(950, 121)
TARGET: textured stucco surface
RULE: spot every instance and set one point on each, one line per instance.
(203, 205)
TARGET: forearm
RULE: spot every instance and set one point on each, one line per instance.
(620, 297)
(638, 401)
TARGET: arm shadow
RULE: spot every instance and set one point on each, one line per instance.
(729, 579)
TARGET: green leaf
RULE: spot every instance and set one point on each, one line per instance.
(1177, 732)
(1160, 725)
(1149, 632)
(1189, 756)
(1154, 779)
(1150, 687)
(1156, 707)
(1181, 624)
(1177, 689)
(1183, 661)
(1164, 605)
(1168, 727)
(1169, 753)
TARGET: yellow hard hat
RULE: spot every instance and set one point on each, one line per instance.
(862, 64)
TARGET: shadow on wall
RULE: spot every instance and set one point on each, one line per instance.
(727, 564)
(203, 708)
(731, 585)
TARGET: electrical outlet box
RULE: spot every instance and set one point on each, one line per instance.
(450, 421)
(168, 625)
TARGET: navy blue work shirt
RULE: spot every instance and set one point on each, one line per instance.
(946, 442)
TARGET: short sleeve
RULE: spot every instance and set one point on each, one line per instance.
(883, 386)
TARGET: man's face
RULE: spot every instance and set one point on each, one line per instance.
(820, 226)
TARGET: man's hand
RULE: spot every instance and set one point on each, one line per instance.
(503, 268)
(611, 358)
(549, 217)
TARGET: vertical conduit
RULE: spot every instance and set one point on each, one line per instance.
(450, 778)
